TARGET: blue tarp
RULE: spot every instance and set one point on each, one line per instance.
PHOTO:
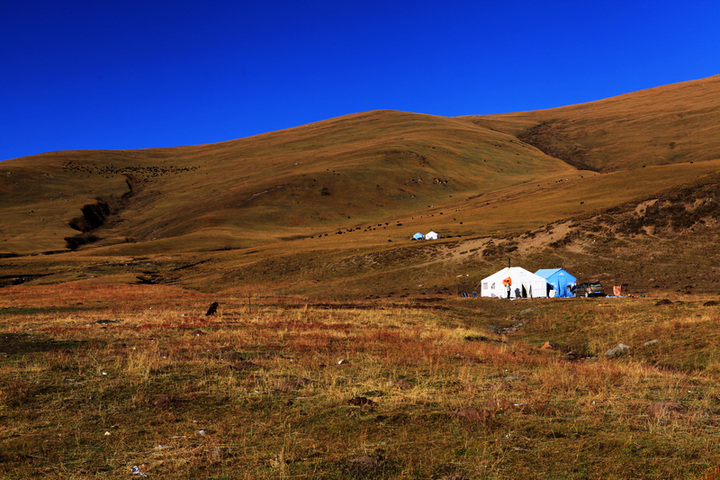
(418, 236)
(558, 280)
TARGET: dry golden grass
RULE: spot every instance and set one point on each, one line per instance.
(659, 126)
(460, 176)
(360, 169)
(96, 380)
(251, 215)
(341, 349)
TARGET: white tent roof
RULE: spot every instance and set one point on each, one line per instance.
(534, 285)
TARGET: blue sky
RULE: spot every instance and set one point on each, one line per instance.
(128, 74)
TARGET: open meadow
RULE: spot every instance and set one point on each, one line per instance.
(99, 379)
(342, 348)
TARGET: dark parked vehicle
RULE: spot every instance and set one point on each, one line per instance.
(589, 289)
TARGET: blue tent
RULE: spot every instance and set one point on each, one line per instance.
(418, 236)
(558, 280)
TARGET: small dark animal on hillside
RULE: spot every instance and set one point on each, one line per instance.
(213, 309)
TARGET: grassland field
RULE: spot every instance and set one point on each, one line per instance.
(341, 349)
(98, 380)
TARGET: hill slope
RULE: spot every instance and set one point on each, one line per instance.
(670, 124)
(364, 168)
(341, 198)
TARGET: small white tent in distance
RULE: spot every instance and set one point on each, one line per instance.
(513, 282)
(431, 235)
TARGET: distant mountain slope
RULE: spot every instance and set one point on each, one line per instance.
(367, 167)
(380, 175)
(669, 124)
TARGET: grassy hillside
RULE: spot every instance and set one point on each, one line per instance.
(670, 124)
(332, 320)
(364, 168)
(338, 200)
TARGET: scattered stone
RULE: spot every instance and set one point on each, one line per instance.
(575, 357)
(473, 414)
(664, 301)
(617, 350)
(514, 378)
(711, 303)
(366, 461)
(367, 465)
(291, 385)
(665, 409)
(162, 400)
(402, 383)
(136, 471)
(244, 365)
(651, 342)
(233, 356)
(106, 321)
(362, 402)
(499, 404)
(373, 393)
(476, 338)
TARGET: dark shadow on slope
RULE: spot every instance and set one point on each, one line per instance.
(549, 139)
(96, 215)
(21, 343)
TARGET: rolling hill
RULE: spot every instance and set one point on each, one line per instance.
(364, 168)
(660, 126)
(339, 199)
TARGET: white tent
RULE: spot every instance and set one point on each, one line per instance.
(518, 281)
(431, 235)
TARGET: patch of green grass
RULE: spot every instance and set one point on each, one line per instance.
(20, 311)
(22, 343)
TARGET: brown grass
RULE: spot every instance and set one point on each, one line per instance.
(97, 380)
(341, 348)
(252, 214)
(628, 131)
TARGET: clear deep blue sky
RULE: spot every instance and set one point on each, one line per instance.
(113, 74)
